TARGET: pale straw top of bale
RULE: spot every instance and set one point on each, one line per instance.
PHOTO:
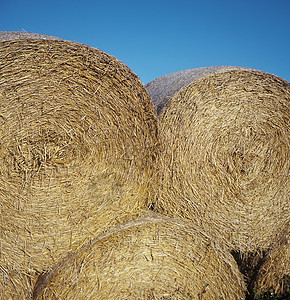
(225, 159)
(153, 257)
(78, 142)
(17, 35)
(162, 89)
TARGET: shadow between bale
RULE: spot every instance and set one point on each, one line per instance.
(153, 257)
(78, 144)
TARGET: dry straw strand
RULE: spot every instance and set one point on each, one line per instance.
(274, 274)
(225, 157)
(78, 142)
(153, 257)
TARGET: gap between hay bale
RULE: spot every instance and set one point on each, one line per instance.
(225, 159)
(78, 144)
(153, 257)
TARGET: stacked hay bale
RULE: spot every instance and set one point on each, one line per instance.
(225, 161)
(78, 141)
(153, 257)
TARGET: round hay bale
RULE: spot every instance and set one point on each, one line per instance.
(78, 144)
(274, 274)
(162, 89)
(225, 159)
(153, 257)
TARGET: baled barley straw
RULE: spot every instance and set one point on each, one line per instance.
(78, 142)
(153, 257)
(225, 158)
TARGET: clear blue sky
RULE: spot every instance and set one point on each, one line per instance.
(159, 37)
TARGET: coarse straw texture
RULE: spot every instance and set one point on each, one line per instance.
(225, 158)
(78, 142)
(14, 284)
(162, 89)
(274, 274)
(153, 257)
